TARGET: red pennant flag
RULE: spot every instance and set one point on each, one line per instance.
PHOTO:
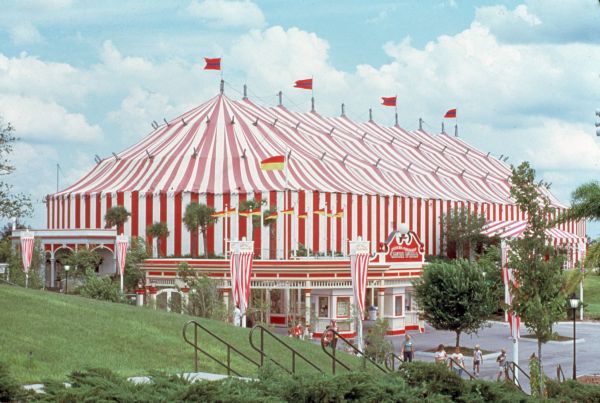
(450, 114)
(304, 84)
(389, 101)
(212, 64)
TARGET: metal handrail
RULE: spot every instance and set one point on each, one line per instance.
(452, 360)
(335, 360)
(197, 348)
(512, 367)
(560, 375)
(391, 358)
(262, 353)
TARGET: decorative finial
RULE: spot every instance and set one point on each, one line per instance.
(222, 86)
(245, 92)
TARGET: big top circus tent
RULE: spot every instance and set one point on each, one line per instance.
(342, 179)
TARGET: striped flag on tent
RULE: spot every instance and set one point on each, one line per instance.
(302, 214)
(272, 216)
(288, 211)
(224, 213)
(276, 163)
(320, 211)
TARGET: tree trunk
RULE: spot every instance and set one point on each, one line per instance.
(457, 338)
(542, 376)
(194, 235)
(205, 242)
(460, 253)
(157, 246)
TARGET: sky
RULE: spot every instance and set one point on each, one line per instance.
(80, 78)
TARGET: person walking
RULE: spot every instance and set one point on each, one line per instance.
(459, 359)
(501, 360)
(440, 355)
(477, 360)
(407, 349)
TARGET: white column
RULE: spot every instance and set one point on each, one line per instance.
(380, 301)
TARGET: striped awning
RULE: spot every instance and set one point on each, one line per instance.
(515, 229)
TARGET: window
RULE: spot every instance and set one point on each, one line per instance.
(408, 302)
(398, 305)
(323, 307)
(343, 307)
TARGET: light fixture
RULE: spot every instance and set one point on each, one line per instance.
(403, 228)
(574, 301)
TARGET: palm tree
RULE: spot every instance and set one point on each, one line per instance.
(198, 217)
(585, 202)
(118, 216)
(272, 224)
(158, 230)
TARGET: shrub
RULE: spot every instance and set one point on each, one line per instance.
(10, 390)
(102, 288)
(572, 391)
(485, 391)
(436, 378)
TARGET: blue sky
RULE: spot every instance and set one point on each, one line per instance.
(79, 78)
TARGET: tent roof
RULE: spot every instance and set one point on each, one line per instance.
(217, 148)
(515, 229)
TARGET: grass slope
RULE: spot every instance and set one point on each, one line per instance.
(591, 295)
(46, 336)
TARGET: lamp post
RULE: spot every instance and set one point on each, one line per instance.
(574, 301)
(67, 268)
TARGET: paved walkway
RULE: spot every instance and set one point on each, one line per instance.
(496, 336)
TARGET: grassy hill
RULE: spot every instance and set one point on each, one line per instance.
(46, 336)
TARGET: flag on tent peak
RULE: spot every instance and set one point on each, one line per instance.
(451, 113)
(389, 101)
(212, 64)
(275, 163)
(306, 84)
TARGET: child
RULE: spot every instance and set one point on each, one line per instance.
(501, 360)
(460, 361)
(440, 355)
(477, 360)
(407, 349)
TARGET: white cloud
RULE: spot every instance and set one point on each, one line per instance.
(25, 33)
(227, 13)
(38, 121)
(28, 75)
(139, 109)
(538, 21)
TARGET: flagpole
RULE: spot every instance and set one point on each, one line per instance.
(225, 223)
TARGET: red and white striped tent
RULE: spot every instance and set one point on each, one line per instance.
(379, 176)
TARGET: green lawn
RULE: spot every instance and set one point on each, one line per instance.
(46, 335)
(591, 295)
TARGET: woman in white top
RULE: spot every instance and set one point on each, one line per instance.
(477, 360)
(460, 361)
(440, 355)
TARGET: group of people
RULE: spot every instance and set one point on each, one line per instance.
(456, 361)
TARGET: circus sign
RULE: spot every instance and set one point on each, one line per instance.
(403, 248)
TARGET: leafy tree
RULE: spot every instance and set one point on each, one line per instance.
(158, 230)
(540, 297)
(82, 261)
(198, 217)
(204, 298)
(463, 228)
(377, 347)
(490, 262)
(11, 204)
(15, 266)
(137, 252)
(253, 204)
(102, 288)
(118, 216)
(455, 296)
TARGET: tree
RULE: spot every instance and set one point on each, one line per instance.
(204, 297)
(585, 202)
(592, 258)
(253, 204)
(158, 230)
(198, 217)
(540, 297)
(136, 254)
(272, 225)
(118, 216)
(454, 296)
(12, 204)
(82, 261)
(463, 228)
